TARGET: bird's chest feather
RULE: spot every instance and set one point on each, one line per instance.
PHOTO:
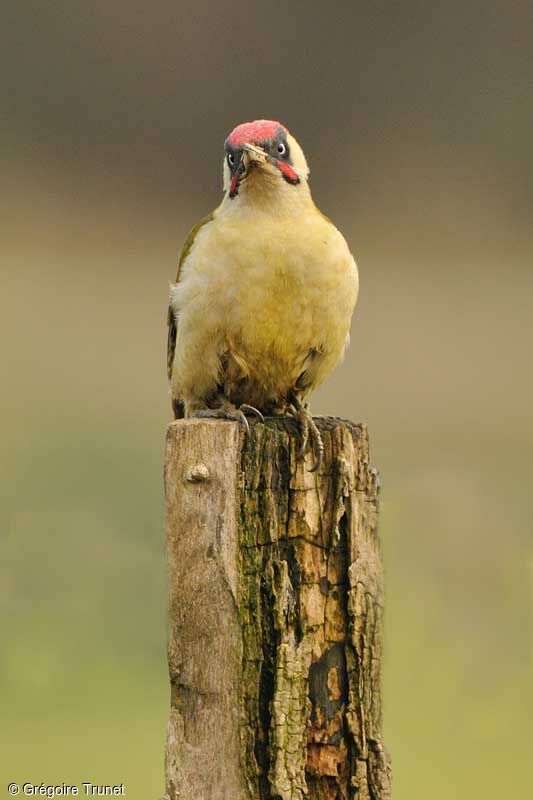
(277, 286)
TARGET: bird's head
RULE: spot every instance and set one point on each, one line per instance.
(262, 156)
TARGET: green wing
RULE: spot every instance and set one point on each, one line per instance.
(171, 319)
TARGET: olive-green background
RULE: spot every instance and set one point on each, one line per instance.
(417, 121)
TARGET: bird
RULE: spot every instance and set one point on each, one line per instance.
(260, 312)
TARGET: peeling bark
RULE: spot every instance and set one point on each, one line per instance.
(275, 615)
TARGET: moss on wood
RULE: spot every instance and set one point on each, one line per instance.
(311, 615)
(275, 615)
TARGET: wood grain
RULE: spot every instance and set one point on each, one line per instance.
(275, 610)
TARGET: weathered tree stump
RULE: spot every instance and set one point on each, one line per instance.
(275, 615)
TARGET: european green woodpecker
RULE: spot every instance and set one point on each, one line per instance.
(260, 312)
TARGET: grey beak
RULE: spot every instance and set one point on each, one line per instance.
(253, 154)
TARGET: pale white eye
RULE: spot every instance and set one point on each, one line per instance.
(231, 159)
(281, 149)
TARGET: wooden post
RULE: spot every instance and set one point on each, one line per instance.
(275, 615)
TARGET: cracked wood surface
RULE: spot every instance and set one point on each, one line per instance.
(275, 612)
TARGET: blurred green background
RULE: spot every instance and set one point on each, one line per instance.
(417, 122)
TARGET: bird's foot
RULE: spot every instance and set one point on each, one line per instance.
(310, 435)
(230, 411)
(251, 411)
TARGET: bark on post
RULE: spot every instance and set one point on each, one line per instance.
(275, 615)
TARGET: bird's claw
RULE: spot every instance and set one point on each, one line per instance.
(231, 412)
(304, 435)
(309, 435)
(317, 445)
(252, 410)
(223, 413)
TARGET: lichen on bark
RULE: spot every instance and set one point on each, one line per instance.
(310, 604)
(275, 615)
